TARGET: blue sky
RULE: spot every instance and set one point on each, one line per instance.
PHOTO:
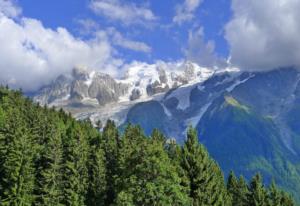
(166, 38)
(43, 39)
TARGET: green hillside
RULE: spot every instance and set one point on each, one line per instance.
(241, 140)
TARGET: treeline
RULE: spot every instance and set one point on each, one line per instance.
(48, 158)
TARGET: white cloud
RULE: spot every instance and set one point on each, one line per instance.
(87, 26)
(127, 13)
(185, 12)
(201, 52)
(9, 8)
(32, 55)
(119, 40)
(90, 27)
(264, 34)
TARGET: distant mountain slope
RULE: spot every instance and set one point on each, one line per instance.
(140, 81)
(249, 121)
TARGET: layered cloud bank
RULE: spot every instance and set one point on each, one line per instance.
(31, 55)
(264, 34)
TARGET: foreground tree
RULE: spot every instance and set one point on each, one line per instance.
(49, 158)
(205, 177)
(50, 178)
(18, 169)
(258, 193)
(148, 177)
(110, 144)
(278, 198)
(75, 169)
(237, 189)
(97, 181)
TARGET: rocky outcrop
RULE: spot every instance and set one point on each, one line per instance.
(156, 88)
(58, 89)
(135, 94)
(84, 86)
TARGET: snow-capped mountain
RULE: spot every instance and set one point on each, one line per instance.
(140, 81)
(249, 121)
(88, 94)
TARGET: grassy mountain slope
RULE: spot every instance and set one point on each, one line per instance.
(239, 138)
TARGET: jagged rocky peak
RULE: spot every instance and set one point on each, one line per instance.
(140, 81)
(82, 86)
(162, 75)
(189, 71)
(106, 89)
(80, 73)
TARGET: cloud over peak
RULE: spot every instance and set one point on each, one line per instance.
(264, 34)
(32, 55)
(202, 52)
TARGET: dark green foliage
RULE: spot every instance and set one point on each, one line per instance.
(50, 179)
(48, 158)
(17, 169)
(237, 189)
(110, 144)
(158, 136)
(75, 169)
(205, 178)
(278, 198)
(256, 193)
(148, 176)
(97, 183)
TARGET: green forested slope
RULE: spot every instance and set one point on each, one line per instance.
(246, 142)
(48, 158)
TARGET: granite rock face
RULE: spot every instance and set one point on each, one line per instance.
(84, 86)
(81, 86)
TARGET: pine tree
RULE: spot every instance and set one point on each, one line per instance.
(110, 145)
(148, 176)
(274, 195)
(174, 152)
(125, 199)
(232, 187)
(50, 175)
(158, 136)
(97, 180)
(286, 199)
(205, 177)
(75, 166)
(18, 169)
(49, 158)
(3, 146)
(237, 189)
(243, 192)
(258, 194)
(99, 125)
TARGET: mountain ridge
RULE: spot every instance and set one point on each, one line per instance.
(247, 120)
